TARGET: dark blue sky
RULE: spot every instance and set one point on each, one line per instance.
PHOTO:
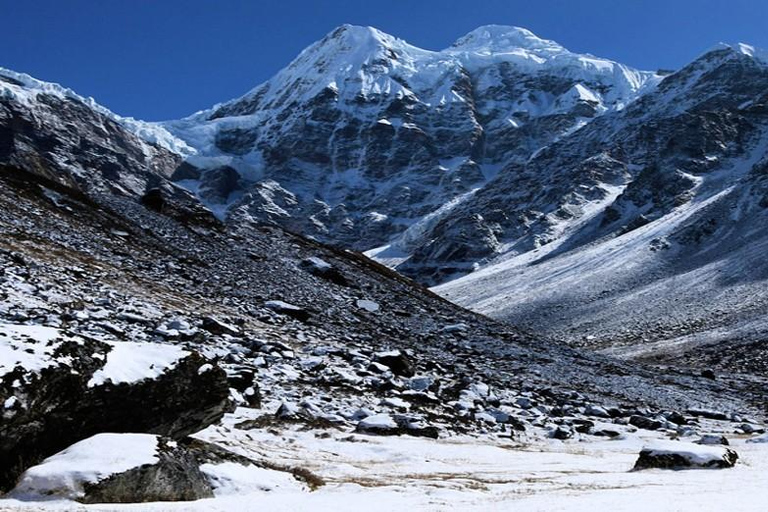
(164, 59)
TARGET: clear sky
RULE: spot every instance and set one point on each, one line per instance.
(164, 59)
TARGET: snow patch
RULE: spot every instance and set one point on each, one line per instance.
(129, 362)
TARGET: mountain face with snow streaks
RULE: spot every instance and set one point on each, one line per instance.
(364, 135)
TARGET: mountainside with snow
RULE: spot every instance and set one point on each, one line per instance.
(650, 229)
(160, 342)
(566, 188)
(131, 317)
(364, 136)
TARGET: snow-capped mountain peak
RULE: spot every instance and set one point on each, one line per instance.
(363, 134)
(489, 39)
(759, 54)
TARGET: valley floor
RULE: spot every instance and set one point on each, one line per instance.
(396, 473)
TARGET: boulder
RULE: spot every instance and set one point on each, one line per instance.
(596, 410)
(678, 455)
(763, 438)
(711, 439)
(324, 270)
(215, 326)
(562, 432)
(645, 423)
(382, 424)
(140, 468)
(709, 414)
(65, 388)
(367, 305)
(117, 468)
(396, 361)
(284, 308)
(395, 425)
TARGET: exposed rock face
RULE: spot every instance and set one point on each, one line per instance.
(662, 198)
(51, 131)
(640, 162)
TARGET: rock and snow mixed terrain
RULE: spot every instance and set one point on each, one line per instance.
(160, 341)
(570, 188)
(669, 258)
(385, 473)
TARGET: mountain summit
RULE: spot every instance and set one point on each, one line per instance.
(503, 38)
(364, 137)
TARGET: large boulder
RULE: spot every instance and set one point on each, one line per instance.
(678, 455)
(117, 468)
(58, 389)
(139, 468)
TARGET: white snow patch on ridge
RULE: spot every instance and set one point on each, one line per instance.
(134, 361)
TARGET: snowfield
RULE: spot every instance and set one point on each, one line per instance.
(462, 473)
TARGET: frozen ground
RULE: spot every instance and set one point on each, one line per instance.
(392, 473)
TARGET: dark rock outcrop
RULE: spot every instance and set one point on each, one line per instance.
(60, 408)
(396, 361)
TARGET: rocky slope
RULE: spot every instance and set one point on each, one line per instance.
(306, 334)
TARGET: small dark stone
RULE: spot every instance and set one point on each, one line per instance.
(324, 270)
(153, 199)
(562, 432)
(217, 327)
(283, 308)
(645, 423)
(397, 362)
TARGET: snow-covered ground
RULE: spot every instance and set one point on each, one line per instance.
(470, 473)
